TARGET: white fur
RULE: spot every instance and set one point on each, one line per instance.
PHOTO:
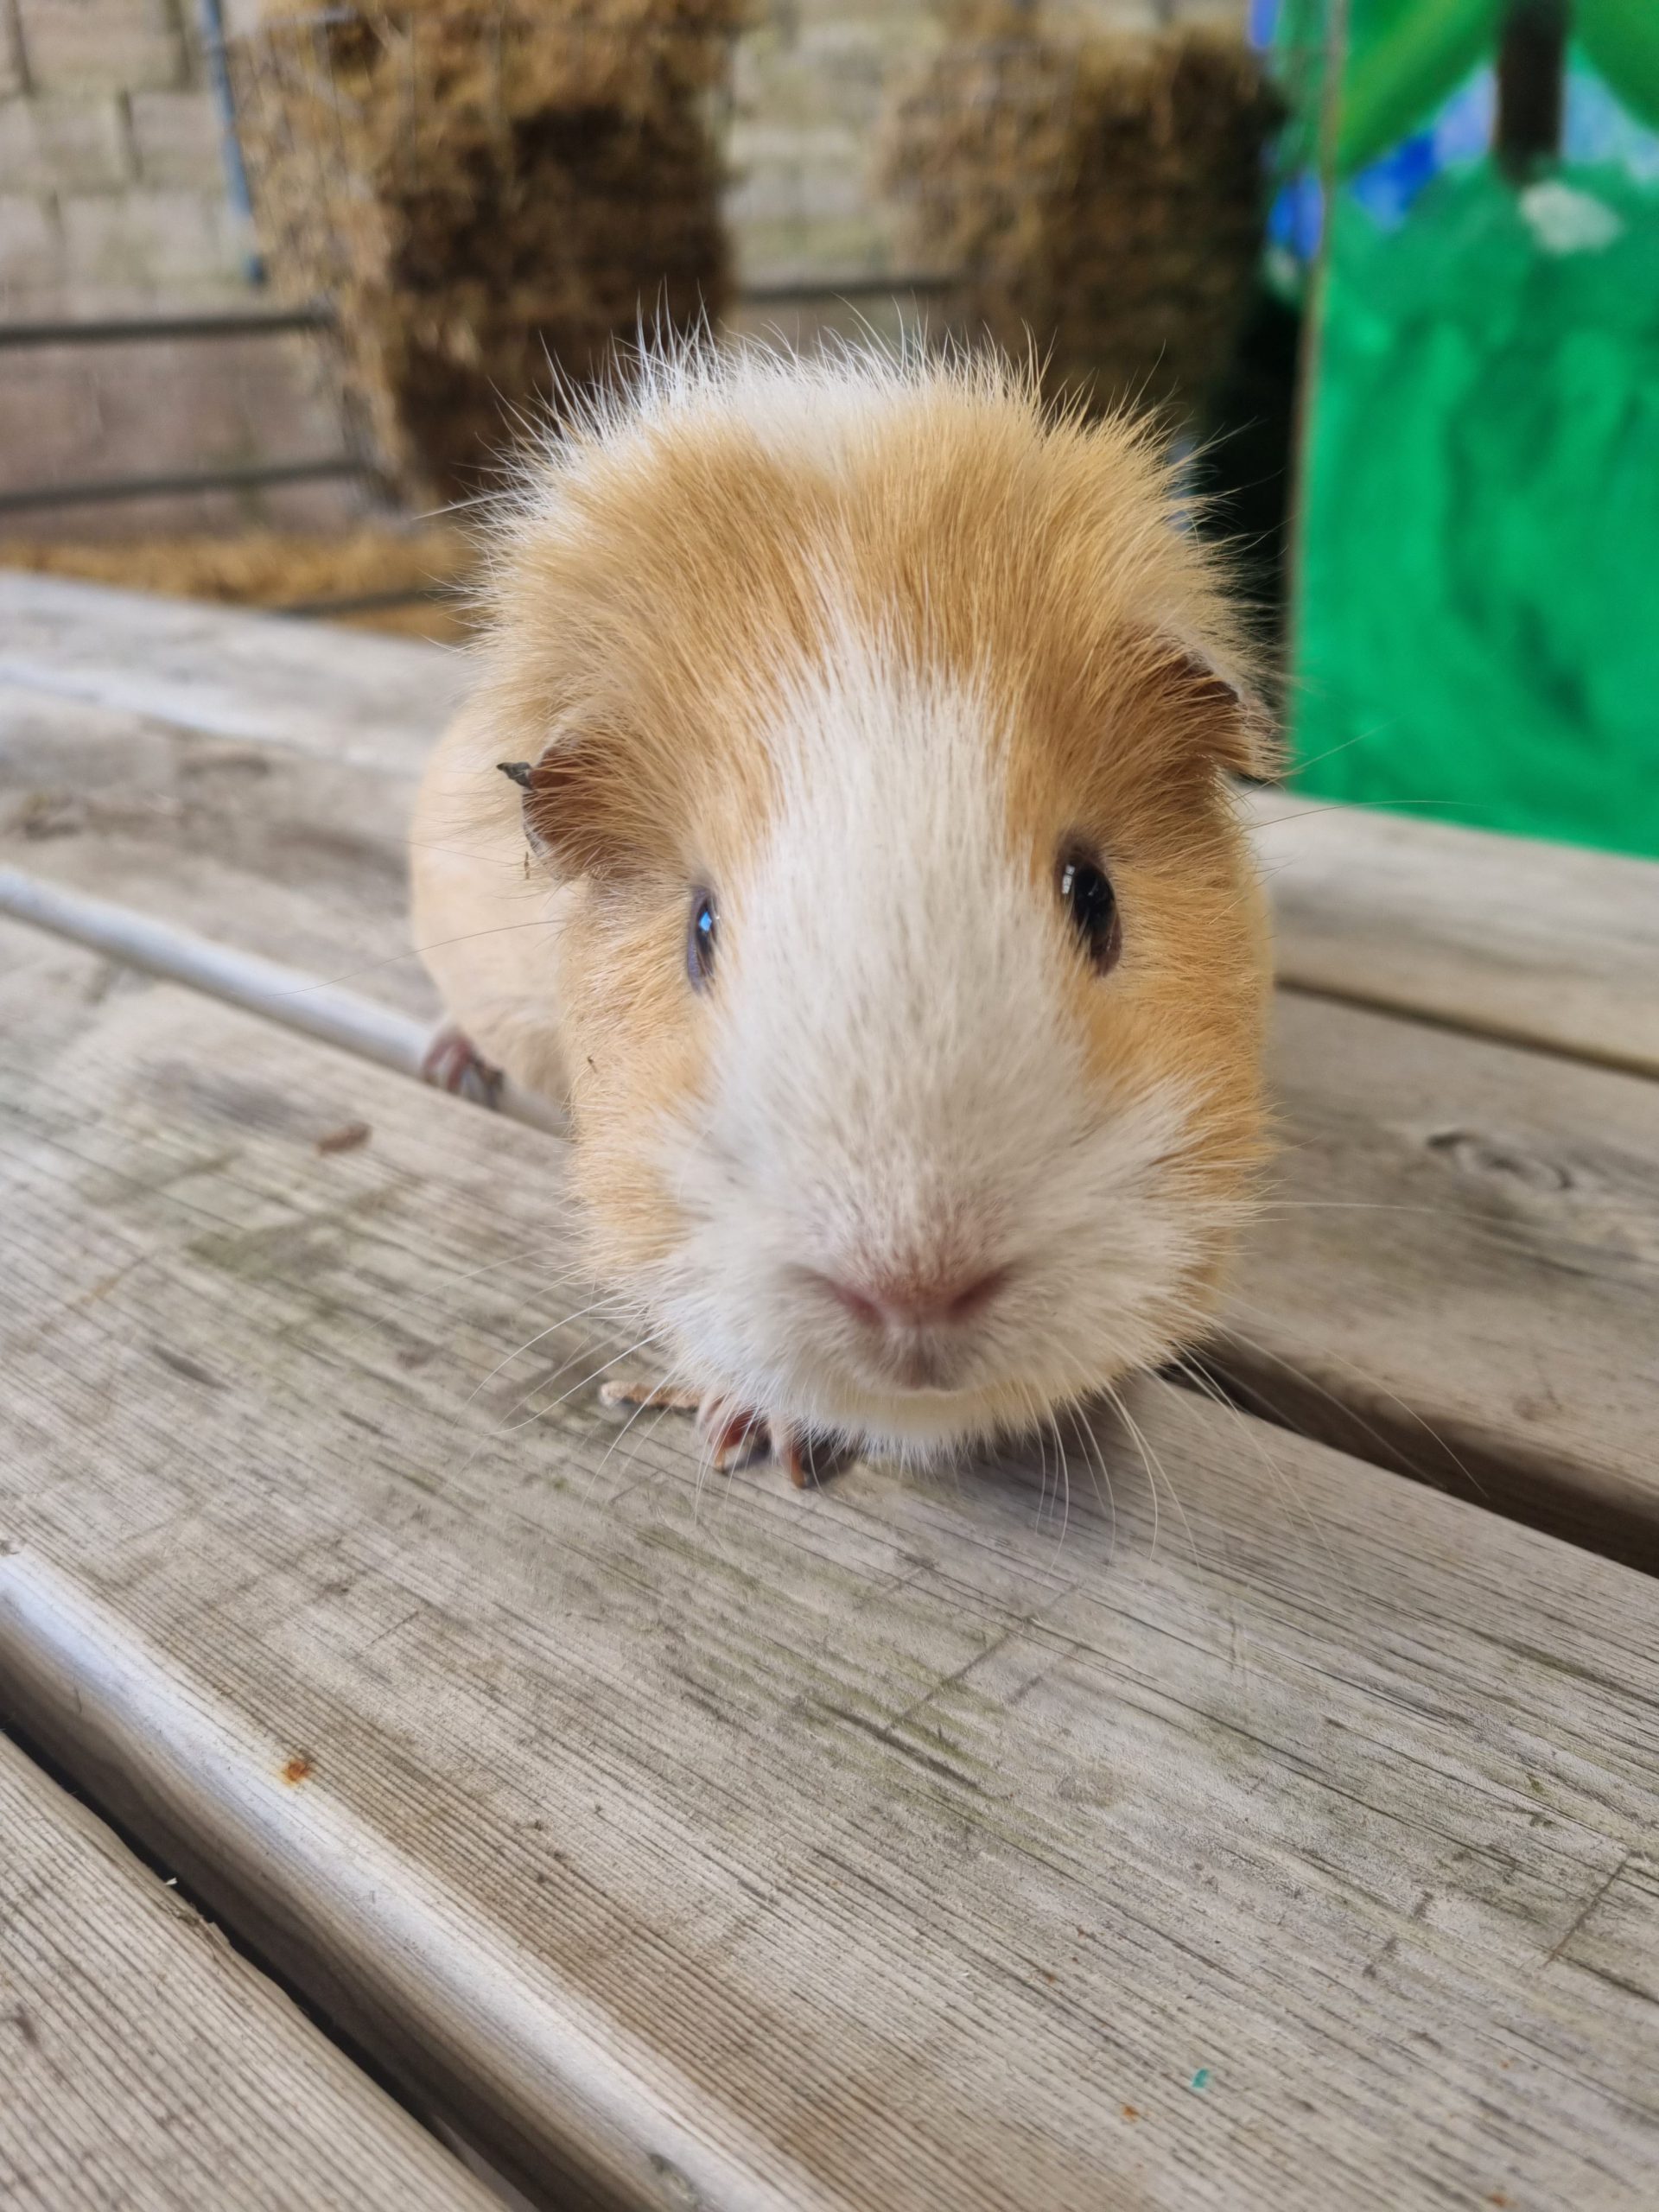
(899, 1082)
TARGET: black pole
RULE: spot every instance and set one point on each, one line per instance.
(1531, 85)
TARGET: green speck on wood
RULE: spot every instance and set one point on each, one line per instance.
(1201, 2079)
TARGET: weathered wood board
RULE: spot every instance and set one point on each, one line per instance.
(145, 2065)
(1458, 1269)
(344, 696)
(261, 846)
(1503, 937)
(911, 1845)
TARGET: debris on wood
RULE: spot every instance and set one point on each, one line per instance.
(346, 1139)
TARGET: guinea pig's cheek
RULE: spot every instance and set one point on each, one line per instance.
(637, 1068)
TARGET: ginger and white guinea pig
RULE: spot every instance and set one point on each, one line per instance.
(864, 879)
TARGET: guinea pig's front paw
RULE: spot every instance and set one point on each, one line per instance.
(453, 1062)
(731, 1435)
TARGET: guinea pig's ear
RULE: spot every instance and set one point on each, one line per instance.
(1210, 698)
(578, 817)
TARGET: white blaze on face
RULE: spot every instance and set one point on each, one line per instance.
(899, 1088)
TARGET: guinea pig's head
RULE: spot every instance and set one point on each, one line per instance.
(913, 970)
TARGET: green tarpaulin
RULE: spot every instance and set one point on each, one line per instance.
(1479, 581)
(1477, 587)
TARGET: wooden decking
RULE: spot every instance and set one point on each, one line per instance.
(1256, 1825)
(146, 2065)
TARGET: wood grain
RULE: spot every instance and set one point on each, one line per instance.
(1459, 1277)
(908, 1844)
(1511, 937)
(272, 850)
(343, 695)
(147, 2066)
(1458, 1271)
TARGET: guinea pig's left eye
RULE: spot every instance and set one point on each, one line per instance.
(1087, 895)
(701, 936)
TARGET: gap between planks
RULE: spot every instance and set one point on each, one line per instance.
(147, 2065)
(1514, 938)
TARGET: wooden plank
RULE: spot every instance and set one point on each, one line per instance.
(1511, 937)
(298, 857)
(287, 997)
(1505, 1330)
(904, 1844)
(148, 2066)
(1458, 1271)
(1455, 1253)
(339, 695)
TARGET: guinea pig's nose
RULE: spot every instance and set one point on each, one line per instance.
(915, 1300)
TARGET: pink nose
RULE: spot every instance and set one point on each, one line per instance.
(915, 1300)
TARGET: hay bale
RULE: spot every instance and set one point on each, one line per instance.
(478, 189)
(1097, 194)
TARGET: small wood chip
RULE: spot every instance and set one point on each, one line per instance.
(346, 1139)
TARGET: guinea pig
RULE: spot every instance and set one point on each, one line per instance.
(841, 828)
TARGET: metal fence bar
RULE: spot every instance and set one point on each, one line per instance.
(285, 996)
(144, 329)
(811, 290)
(250, 478)
(265, 321)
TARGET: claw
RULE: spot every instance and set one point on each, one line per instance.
(791, 1447)
(735, 1435)
(453, 1062)
(731, 1434)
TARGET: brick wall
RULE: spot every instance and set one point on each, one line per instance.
(113, 200)
(112, 179)
(111, 182)
(808, 89)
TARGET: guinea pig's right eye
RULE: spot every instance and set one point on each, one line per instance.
(702, 934)
(1087, 895)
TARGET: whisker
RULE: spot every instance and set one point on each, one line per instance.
(508, 1426)
(1116, 1400)
(1065, 1493)
(1370, 1382)
(1402, 806)
(541, 1413)
(650, 1434)
(536, 1252)
(644, 1406)
(1042, 1452)
(1207, 1386)
(1093, 1457)
(541, 1337)
(1149, 1450)
(415, 952)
